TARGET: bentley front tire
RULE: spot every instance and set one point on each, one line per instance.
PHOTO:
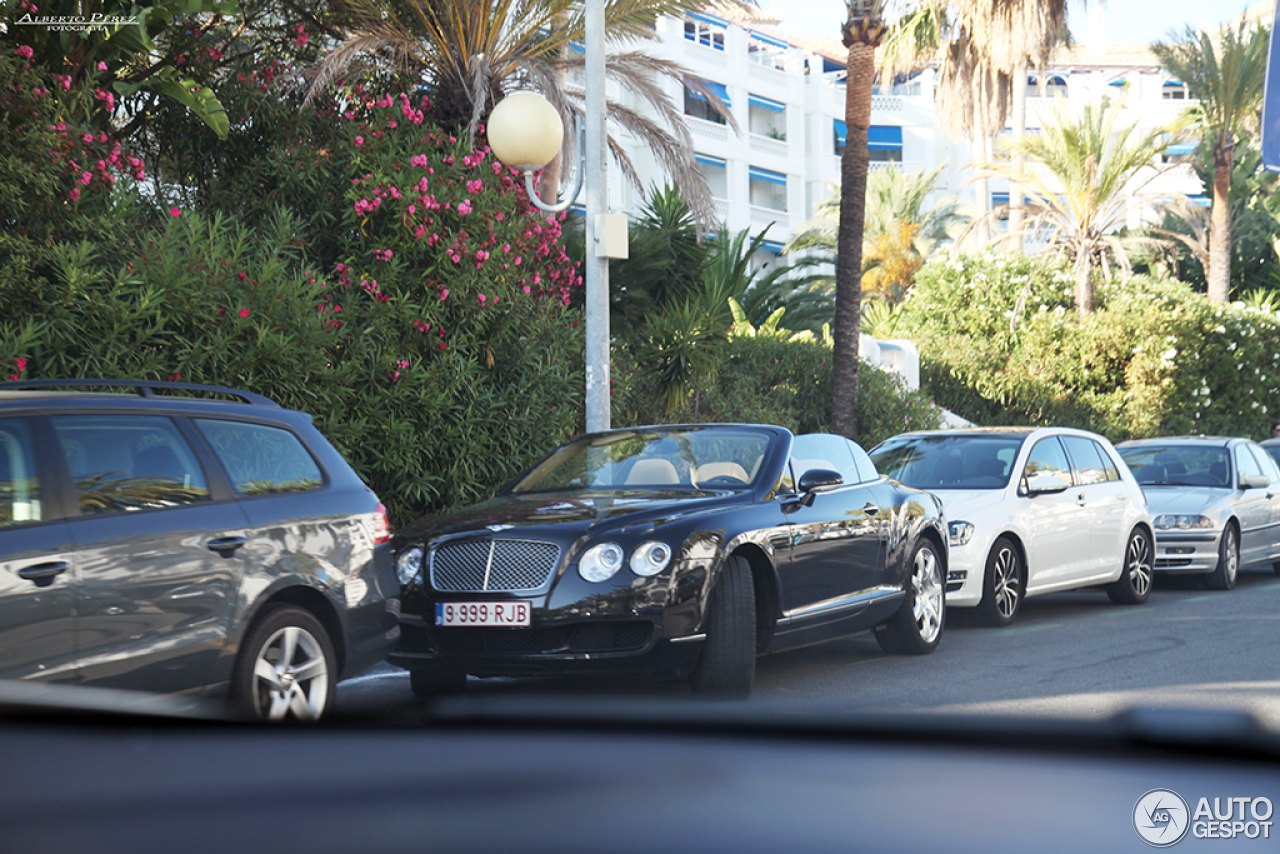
(916, 627)
(727, 666)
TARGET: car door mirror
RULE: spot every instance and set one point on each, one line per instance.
(1254, 481)
(820, 480)
(1046, 483)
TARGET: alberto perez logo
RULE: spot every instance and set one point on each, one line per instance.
(1163, 818)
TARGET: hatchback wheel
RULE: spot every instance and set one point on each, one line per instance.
(1003, 584)
(916, 627)
(286, 669)
(1134, 584)
(1224, 574)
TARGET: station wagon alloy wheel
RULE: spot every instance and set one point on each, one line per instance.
(287, 667)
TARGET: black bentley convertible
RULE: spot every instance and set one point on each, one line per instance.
(675, 550)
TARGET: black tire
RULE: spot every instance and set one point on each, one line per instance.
(1004, 584)
(727, 666)
(429, 682)
(916, 627)
(1225, 573)
(286, 669)
(1133, 587)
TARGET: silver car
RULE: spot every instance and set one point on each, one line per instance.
(1216, 503)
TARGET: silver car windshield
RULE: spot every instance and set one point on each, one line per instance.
(711, 458)
(949, 462)
(1179, 465)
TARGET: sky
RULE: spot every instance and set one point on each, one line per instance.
(1127, 21)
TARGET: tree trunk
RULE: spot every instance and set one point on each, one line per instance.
(1084, 281)
(853, 201)
(1219, 272)
(549, 183)
(1019, 120)
(982, 194)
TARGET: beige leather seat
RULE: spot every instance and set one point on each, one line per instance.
(658, 472)
(710, 470)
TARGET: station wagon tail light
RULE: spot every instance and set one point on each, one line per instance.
(650, 558)
(381, 524)
(599, 563)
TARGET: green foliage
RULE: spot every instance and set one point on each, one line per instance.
(999, 345)
(774, 379)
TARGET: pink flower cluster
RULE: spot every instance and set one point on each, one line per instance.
(21, 365)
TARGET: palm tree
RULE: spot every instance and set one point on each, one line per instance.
(1226, 73)
(1081, 175)
(899, 229)
(862, 32)
(467, 55)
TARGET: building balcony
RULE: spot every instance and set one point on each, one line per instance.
(770, 146)
(704, 129)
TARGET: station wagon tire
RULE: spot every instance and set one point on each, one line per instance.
(916, 627)
(1004, 584)
(1225, 573)
(727, 666)
(286, 668)
(1134, 584)
(429, 682)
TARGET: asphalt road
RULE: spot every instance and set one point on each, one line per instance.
(1068, 654)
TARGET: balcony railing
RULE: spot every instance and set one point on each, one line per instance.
(707, 130)
(770, 146)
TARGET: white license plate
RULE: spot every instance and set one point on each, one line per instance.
(515, 613)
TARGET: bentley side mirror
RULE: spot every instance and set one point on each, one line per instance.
(818, 480)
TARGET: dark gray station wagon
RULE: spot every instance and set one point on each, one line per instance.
(161, 542)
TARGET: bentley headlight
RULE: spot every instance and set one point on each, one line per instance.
(960, 532)
(650, 558)
(1183, 522)
(600, 562)
(409, 565)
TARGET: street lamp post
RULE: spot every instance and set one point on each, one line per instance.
(526, 132)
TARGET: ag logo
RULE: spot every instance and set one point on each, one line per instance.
(1161, 818)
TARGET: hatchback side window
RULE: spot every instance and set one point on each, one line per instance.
(1047, 457)
(19, 488)
(125, 462)
(1084, 453)
(261, 460)
(1109, 469)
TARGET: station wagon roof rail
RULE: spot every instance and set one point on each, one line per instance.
(145, 388)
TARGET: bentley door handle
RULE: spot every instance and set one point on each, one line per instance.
(870, 509)
(43, 571)
(226, 544)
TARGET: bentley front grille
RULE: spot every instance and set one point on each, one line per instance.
(474, 566)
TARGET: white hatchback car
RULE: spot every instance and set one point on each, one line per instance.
(1029, 511)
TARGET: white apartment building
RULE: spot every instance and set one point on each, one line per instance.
(788, 97)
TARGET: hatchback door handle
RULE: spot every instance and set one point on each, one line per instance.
(226, 544)
(1080, 499)
(870, 509)
(44, 571)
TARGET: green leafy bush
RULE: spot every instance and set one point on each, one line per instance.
(768, 379)
(999, 345)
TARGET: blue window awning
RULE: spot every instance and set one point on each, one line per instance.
(708, 160)
(769, 175)
(719, 88)
(774, 246)
(1181, 148)
(842, 132)
(1198, 199)
(776, 106)
(772, 41)
(708, 19)
(999, 198)
(884, 138)
(1173, 82)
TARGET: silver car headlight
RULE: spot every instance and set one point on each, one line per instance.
(409, 565)
(960, 532)
(650, 558)
(600, 562)
(1183, 522)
